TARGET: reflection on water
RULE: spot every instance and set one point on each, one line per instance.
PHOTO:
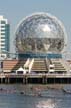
(46, 104)
(50, 99)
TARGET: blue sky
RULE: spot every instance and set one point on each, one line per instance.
(15, 10)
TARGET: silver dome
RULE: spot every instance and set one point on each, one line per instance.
(40, 32)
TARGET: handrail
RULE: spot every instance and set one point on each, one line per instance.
(31, 64)
(27, 63)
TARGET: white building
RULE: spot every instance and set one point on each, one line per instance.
(4, 37)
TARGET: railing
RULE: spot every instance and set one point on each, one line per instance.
(47, 63)
(27, 63)
(31, 64)
(48, 74)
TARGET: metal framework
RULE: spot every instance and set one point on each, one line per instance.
(40, 32)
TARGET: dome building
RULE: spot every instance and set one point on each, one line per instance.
(39, 35)
(40, 41)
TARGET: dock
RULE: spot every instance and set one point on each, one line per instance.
(35, 78)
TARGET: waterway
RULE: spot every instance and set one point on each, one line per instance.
(11, 97)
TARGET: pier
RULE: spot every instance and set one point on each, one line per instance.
(35, 78)
(35, 71)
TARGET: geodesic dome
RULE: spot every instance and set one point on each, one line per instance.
(40, 32)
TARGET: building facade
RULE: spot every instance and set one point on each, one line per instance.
(4, 37)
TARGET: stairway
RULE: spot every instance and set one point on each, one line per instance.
(12, 65)
(58, 66)
(39, 65)
(65, 64)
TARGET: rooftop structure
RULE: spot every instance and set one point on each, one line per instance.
(36, 70)
(37, 65)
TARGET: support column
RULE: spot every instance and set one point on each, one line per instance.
(24, 80)
(1, 80)
(6, 80)
(44, 80)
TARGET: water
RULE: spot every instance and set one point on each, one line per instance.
(51, 98)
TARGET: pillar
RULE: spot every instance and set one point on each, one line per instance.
(5, 80)
(1, 80)
(24, 80)
(8, 80)
(44, 80)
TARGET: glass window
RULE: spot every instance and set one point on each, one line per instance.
(2, 48)
(2, 41)
(2, 44)
(2, 33)
(2, 26)
(2, 22)
(2, 37)
(2, 30)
